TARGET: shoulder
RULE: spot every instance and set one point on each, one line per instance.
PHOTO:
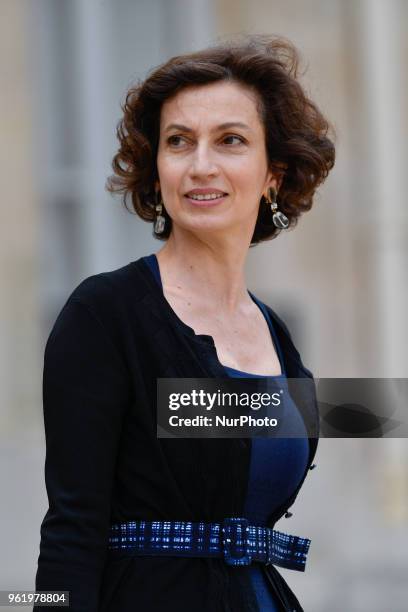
(285, 338)
(103, 286)
(279, 326)
(106, 301)
(112, 291)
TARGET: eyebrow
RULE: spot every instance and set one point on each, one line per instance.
(222, 126)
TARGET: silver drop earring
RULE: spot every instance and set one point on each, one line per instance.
(160, 220)
(279, 219)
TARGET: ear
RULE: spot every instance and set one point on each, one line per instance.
(275, 181)
(276, 175)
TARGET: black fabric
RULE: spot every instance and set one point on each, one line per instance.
(113, 338)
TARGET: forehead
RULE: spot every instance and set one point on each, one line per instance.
(212, 104)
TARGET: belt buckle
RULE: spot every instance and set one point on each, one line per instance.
(236, 529)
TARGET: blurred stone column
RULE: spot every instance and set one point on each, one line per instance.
(19, 309)
(377, 47)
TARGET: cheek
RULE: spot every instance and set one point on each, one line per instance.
(170, 173)
(247, 172)
(246, 185)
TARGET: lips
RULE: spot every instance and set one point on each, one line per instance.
(206, 201)
(205, 192)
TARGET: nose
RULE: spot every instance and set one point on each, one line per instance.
(202, 162)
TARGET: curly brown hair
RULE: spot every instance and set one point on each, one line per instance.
(296, 132)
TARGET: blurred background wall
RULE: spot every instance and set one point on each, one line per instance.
(338, 279)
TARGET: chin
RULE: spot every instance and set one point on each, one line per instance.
(205, 220)
(204, 225)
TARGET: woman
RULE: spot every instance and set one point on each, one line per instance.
(221, 149)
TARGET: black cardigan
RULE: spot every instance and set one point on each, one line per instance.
(104, 464)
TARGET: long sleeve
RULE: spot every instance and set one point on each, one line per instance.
(85, 394)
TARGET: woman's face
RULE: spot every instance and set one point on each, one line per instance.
(212, 141)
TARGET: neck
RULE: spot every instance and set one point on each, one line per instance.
(210, 270)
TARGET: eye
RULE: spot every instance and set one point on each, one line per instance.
(175, 140)
(171, 139)
(239, 138)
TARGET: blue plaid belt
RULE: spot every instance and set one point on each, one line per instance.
(238, 542)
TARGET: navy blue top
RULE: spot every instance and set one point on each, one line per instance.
(277, 464)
